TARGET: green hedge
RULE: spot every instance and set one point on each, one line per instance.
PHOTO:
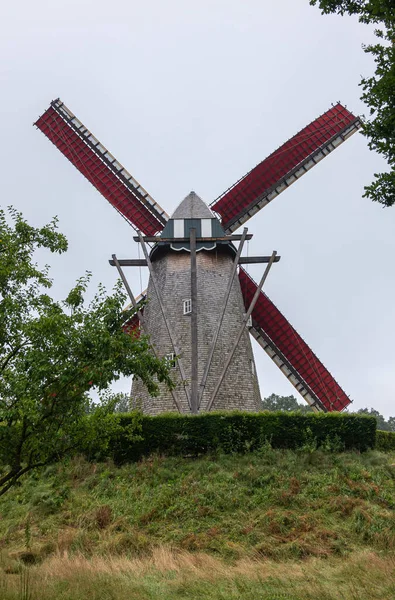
(186, 435)
(385, 441)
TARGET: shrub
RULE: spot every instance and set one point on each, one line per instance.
(385, 441)
(186, 435)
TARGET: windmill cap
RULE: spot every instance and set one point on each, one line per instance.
(192, 207)
(191, 213)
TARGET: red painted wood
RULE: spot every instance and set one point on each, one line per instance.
(293, 347)
(273, 169)
(97, 172)
(132, 327)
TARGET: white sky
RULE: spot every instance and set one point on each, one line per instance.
(189, 96)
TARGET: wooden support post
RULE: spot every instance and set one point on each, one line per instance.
(176, 350)
(224, 305)
(129, 291)
(241, 330)
(141, 319)
(194, 324)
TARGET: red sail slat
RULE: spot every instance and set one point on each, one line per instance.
(282, 168)
(91, 164)
(132, 326)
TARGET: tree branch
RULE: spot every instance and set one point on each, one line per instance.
(11, 355)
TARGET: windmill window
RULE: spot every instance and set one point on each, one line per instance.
(178, 228)
(170, 360)
(252, 367)
(206, 228)
(187, 307)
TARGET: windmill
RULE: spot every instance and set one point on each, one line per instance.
(202, 305)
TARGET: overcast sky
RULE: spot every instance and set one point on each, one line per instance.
(190, 96)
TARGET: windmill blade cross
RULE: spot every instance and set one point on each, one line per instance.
(284, 166)
(101, 168)
(268, 326)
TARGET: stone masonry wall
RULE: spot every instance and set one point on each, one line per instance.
(239, 389)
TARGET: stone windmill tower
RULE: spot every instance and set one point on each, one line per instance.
(171, 264)
(202, 305)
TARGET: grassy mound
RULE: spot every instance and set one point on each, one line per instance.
(215, 523)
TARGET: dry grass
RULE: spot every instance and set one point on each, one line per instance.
(161, 561)
(169, 573)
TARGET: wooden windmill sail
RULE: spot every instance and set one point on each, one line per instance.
(199, 312)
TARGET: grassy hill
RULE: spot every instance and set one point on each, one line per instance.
(269, 525)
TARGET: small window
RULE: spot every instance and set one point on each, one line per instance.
(206, 225)
(187, 307)
(252, 367)
(178, 228)
(249, 321)
(170, 360)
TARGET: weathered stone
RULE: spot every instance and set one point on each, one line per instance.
(239, 389)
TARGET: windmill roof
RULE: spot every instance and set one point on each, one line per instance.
(194, 213)
(192, 207)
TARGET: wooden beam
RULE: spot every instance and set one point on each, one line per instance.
(176, 350)
(194, 324)
(129, 290)
(141, 319)
(250, 260)
(130, 262)
(224, 305)
(141, 262)
(241, 330)
(226, 238)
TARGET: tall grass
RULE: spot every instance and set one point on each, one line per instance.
(169, 574)
(273, 524)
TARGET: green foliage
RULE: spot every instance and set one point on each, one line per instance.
(122, 403)
(102, 427)
(53, 353)
(238, 432)
(288, 403)
(378, 90)
(382, 424)
(385, 441)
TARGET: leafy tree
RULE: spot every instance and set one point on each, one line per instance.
(286, 403)
(378, 90)
(52, 353)
(121, 403)
(381, 422)
(391, 424)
